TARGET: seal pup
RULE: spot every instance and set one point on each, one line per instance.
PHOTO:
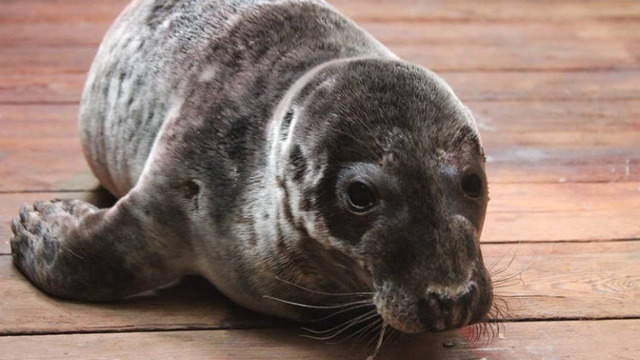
(280, 151)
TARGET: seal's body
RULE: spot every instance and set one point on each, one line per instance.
(277, 149)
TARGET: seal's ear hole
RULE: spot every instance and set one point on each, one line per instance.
(191, 191)
(360, 197)
(472, 185)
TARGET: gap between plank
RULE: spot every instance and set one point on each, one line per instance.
(204, 328)
(467, 99)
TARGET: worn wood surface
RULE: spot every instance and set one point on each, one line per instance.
(537, 281)
(440, 56)
(101, 11)
(525, 142)
(555, 87)
(579, 340)
(45, 88)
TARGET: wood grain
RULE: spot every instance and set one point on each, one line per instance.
(52, 160)
(514, 55)
(556, 116)
(525, 142)
(192, 304)
(516, 213)
(41, 88)
(543, 85)
(552, 281)
(492, 10)
(79, 11)
(555, 87)
(470, 86)
(422, 34)
(579, 340)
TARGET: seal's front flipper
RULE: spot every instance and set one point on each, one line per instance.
(74, 250)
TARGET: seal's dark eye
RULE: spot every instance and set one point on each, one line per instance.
(472, 185)
(360, 197)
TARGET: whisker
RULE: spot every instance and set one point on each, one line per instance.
(316, 306)
(349, 325)
(379, 344)
(364, 328)
(369, 329)
(366, 315)
(396, 336)
(516, 276)
(323, 292)
(495, 263)
(354, 307)
(371, 332)
(351, 275)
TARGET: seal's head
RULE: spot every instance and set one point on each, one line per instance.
(384, 165)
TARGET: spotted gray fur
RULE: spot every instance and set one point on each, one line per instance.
(229, 129)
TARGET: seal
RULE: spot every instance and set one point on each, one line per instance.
(280, 151)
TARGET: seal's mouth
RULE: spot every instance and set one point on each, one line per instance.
(436, 309)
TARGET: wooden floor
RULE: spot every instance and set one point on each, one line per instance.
(555, 86)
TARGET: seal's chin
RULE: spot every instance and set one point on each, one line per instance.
(400, 324)
(422, 318)
(433, 311)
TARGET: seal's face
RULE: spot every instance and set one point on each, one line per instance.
(397, 183)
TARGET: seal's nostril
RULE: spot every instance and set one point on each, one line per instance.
(446, 303)
(435, 310)
(450, 309)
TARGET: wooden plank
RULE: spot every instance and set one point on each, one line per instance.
(582, 141)
(563, 212)
(60, 11)
(506, 10)
(40, 33)
(537, 164)
(44, 165)
(441, 46)
(78, 11)
(561, 280)
(520, 55)
(41, 88)
(420, 34)
(35, 167)
(554, 198)
(470, 86)
(562, 145)
(576, 139)
(516, 213)
(40, 149)
(56, 60)
(575, 117)
(192, 304)
(569, 280)
(556, 116)
(551, 86)
(584, 340)
(506, 33)
(562, 157)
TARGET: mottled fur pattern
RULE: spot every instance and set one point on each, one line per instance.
(230, 129)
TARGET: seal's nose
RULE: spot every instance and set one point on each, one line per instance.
(443, 309)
